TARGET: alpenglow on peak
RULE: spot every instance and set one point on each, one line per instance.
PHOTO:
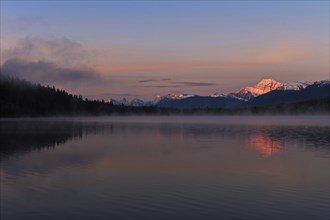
(264, 86)
(267, 85)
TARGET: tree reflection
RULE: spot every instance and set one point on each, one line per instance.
(19, 137)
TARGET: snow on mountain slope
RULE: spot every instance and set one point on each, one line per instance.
(294, 86)
(264, 86)
(124, 101)
(321, 83)
(214, 95)
(175, 96)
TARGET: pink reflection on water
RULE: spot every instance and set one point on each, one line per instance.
(266, 145)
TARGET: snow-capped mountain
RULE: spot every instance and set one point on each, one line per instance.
(249, 92)
(173, 96)
(137, 102)
(221, 100)
(315, 91)
(321, 83)
(218, 95)
(294, 86)
(125, 102)
(118, 102)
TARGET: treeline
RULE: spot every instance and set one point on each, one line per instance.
(320, 106)
(20, 98)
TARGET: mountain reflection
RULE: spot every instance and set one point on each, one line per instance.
(20, 137)
(270, 140)
(265, 145)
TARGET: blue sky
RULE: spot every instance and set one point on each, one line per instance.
(226, 44)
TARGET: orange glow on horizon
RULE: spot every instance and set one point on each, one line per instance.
(282, 53)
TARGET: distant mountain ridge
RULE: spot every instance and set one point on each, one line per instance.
(199, 102)
(267, 91)
(294, 86)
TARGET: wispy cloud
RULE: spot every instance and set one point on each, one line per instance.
(154, 80)
(106, 96)
(49, 73)
(164, 86)
(179, 84)
(62, 51)
(193, 83)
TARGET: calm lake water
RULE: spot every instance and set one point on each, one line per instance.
(258, 167)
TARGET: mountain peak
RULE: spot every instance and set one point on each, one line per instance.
(264, 86)
(267, 85)
(268, 81)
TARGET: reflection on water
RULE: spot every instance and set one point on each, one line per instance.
(17, 137)
(163, 169)
(266, 145)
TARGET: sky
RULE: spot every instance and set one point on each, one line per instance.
(141, 49)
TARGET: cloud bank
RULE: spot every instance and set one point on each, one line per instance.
(168, 83)
(49, 73)
(61, 51)
(57, 62)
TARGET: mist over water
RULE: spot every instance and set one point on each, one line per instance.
(205, 167)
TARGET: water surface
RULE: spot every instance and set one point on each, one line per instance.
(261, 167)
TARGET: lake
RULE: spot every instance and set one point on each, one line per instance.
(170, 167)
